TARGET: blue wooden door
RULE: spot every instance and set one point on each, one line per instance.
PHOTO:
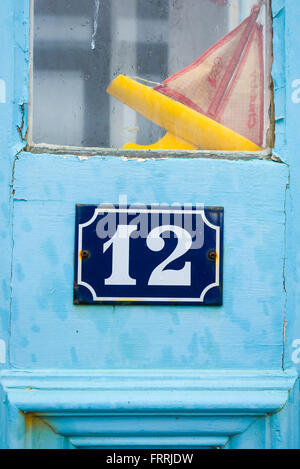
(148, 375)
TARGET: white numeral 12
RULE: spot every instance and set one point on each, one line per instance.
(160, 275)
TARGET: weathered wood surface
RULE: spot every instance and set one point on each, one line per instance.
(246, 332)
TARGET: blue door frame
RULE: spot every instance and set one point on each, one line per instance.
(131, 376)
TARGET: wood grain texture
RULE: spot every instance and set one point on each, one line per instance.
(245, 333)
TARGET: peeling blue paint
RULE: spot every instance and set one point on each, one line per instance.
(253, 331)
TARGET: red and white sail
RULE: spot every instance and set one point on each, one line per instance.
(227, 82)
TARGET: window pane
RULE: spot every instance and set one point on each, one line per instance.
(99, 71)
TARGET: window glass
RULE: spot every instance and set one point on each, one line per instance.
(161, 74)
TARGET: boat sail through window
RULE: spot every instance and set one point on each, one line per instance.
(152, 74)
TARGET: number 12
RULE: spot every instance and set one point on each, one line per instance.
(160, 275)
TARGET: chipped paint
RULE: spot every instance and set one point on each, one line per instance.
(2, 351)
(2, 91)
(296, 352)
(296, 93)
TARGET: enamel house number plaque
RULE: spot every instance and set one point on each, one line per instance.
(148, 254)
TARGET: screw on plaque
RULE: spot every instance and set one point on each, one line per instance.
(212, 255)
(85, 254)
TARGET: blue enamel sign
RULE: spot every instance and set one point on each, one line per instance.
(148, 254)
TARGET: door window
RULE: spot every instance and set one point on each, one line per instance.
(151, 74)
